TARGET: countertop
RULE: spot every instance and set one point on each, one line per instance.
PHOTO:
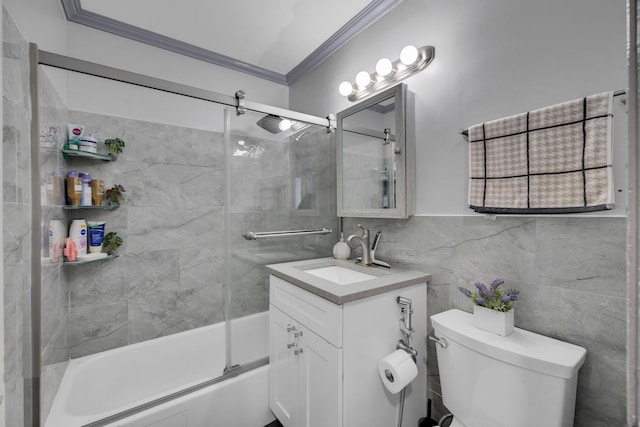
(387, 279)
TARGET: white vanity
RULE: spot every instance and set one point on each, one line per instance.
(330, 323)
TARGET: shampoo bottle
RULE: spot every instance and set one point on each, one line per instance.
(78, 233)
(85, 178)
(56, 239)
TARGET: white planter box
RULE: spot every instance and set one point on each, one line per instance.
(497, 322)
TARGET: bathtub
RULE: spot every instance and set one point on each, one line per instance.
(101, 385)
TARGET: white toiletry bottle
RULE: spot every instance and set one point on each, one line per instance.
(78, 233)
(341, 250)
(85, 200)
(57, 235)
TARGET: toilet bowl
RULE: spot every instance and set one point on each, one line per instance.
(521, 380)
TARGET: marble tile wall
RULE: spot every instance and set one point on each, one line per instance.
(170, 275)
(16, 223)
(261, 200)
(363, 174)
(167, 278)
(570, 273)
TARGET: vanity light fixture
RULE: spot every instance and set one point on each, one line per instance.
(412, 60)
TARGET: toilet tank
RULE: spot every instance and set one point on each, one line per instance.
(521, 380)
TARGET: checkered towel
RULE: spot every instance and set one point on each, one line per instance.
(552, 160)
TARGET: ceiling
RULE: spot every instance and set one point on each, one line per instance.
(278, 40)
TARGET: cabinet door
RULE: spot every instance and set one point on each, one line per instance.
(319, 381)
(283, 368)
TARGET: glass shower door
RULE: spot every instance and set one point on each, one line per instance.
(280, 176)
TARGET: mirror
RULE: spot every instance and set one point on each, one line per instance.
(376, 156)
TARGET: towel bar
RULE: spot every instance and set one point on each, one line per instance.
(251, 235)
(465, 132)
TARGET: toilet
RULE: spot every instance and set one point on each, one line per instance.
(521, 380)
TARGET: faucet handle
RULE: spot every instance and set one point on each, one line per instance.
(376, 240)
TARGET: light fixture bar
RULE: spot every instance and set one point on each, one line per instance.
(399, 72)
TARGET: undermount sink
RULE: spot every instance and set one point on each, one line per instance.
(340, 275)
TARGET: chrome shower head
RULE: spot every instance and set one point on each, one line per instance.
(276, 124)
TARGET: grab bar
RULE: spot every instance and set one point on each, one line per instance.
(251, 235)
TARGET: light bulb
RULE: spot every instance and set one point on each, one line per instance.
(409, 55)
(284, 124)
(384, 67)
(345, 88)
(363, 79)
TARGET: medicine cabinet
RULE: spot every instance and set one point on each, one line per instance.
(375, 142)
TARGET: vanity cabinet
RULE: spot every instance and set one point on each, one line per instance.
(324, 357)
(305, 376)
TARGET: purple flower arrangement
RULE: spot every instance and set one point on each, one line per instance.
(493, 297)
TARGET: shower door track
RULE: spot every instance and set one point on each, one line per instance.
(98, 70)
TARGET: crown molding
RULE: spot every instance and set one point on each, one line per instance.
(75, 13)
(370, 14)
(367, 16)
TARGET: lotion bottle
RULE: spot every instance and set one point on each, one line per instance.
(341, 250)
(78, 233)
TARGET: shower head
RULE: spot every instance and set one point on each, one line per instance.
(276, 124)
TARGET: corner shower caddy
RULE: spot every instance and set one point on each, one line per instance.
(67, 153)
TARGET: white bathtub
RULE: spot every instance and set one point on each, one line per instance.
(97, 386)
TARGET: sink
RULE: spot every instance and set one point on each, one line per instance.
(340, 275)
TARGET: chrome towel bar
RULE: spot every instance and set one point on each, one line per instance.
(465, 132)
(251, 235)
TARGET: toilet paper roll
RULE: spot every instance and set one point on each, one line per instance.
(397, 370)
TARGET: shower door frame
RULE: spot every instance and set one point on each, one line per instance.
(39, 57)
(633, 219)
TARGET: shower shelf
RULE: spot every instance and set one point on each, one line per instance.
(91, 207)
(89, 261)
(93, 156)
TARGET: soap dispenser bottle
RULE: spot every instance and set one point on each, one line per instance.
(341, 250)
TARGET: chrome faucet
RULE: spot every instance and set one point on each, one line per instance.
(368, 252)
(374, 246)
(364, 242)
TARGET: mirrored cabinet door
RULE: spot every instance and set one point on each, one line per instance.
(375, 145)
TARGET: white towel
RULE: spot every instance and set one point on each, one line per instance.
(551, 160)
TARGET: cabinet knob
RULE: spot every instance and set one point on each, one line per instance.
(297, 334)
(297, 351)
(290, 345)
(290, 328)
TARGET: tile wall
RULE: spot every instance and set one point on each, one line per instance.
(570, 272)
(17, 213)
(172, 222)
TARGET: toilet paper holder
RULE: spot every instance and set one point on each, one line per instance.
(406, 328)
(401, 345)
